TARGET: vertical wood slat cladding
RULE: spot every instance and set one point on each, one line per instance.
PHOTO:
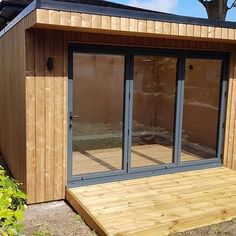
(33, 102)
(40, 135)
(46, 169)
(30, 117)
(230, 128)
(12, 101)
(47, 127)
(49, 119)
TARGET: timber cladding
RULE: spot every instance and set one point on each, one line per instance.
(46, 99)
(55, 19)
(46, 102)
(33, 100)
(12, 102)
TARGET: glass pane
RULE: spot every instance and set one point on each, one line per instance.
(153, 110)
(201, 109)
(98, 91)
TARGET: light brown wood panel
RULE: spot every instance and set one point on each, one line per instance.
(230, 134)
(12, 101)
(48, 101)
(174, 29)
(131, 25)
(49, 118)
(53, 173)
(204, 31)
(30, 117)
(40, 142)
(59, 114)
(190, 30)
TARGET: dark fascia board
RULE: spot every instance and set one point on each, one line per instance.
(8, 11)
(144, 15)
(11, 7)
(15, 4)
(31, 7)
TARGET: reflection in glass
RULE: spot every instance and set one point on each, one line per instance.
(201, 108)
(153, 110)
(98, 91)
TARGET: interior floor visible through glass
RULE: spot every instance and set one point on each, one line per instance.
(101, 153)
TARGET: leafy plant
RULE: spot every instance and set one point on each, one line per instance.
(78, 218)
(12, 206)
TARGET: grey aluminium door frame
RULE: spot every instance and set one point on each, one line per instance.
(180, 81)
(127, 172)
(74, 48)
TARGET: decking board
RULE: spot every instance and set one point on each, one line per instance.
(158, 205)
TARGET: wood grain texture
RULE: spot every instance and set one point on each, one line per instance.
(164, 206)
(38, 111)
(90, 220)
(230, 132)
(53, 173)
(121, 25)
(30, 117)
(12, 101)
(59, 118)
(46, 108)
(49, 119)
(13, 83)
(40, 128)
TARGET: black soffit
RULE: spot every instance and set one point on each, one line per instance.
(9, 9)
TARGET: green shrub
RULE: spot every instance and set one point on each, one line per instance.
(12, 206)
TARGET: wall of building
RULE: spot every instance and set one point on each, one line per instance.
(230, 128)
(12, 101)
(46, 101)
(33, 102)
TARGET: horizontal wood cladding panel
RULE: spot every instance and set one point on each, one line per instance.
(12, 101)
(95, 23)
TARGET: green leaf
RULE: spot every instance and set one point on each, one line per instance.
(12, 206)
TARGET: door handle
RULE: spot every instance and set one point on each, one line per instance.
(72, 117)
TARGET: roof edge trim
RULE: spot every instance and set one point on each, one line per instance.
(143, 15)
(31, 7)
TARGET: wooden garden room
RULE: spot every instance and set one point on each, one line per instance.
(123, 111)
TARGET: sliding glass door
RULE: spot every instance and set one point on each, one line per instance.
(201, 107)
(98, 108)
(137, 112)
(154, 99)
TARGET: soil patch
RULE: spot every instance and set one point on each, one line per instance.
(55, 218)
